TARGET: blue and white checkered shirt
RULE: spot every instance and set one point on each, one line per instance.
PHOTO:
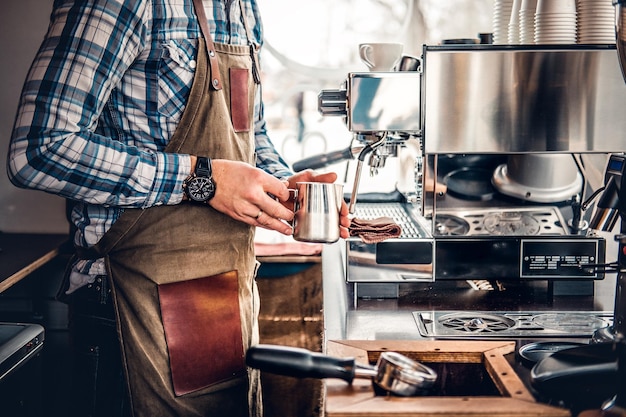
(102, 99)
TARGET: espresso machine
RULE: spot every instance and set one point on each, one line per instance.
(523, 103)
(540, 107)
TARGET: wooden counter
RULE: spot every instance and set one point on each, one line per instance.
(290, 288)
(474, 379)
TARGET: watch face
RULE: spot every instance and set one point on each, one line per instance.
(200, 189)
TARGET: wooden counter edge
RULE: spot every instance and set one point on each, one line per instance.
(28, 269)
(296, 259)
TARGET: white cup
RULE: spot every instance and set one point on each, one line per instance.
(381, 56)
(527, 21)
(514, 29)
(556, 6)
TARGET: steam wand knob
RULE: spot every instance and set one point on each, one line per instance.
(577, 223)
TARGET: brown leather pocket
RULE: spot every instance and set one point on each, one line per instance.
(239, 113)
(202, 331)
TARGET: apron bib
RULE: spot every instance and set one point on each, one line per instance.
(183, 276)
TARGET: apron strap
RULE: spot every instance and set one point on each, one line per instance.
(256, 71)
(216, 82)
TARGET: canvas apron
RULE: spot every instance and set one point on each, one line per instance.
(183, 276)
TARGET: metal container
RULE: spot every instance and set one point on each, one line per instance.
(316, 212)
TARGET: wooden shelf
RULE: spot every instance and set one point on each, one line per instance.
(359, 398)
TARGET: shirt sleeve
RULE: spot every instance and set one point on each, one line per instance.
(55, 146)
(267, 157)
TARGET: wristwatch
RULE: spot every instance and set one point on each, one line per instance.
(200, 186)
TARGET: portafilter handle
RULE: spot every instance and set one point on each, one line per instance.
(323, 160)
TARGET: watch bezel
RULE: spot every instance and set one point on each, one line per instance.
(200, 189)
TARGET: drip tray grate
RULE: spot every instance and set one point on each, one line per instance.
(480, 324)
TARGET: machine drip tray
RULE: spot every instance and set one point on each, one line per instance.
(481, 324)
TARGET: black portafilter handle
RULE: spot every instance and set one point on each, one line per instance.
(323, 160)
(298, 362)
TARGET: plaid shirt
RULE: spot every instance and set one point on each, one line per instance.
(104, 95)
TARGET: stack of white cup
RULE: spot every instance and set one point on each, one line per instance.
(514, 28)
(555, 22)
(501, 19)
(527, 21)
(596, 21)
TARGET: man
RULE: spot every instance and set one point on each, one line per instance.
(147, 115)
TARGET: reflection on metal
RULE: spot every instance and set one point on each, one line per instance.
(384, 102)
(478, 324)
(483, 99)
(376, 102)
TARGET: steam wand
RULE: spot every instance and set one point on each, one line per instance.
(359, 167)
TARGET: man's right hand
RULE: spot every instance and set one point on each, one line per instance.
(243, 193)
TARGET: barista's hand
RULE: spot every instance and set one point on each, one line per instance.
(312, 176)
(241, 192)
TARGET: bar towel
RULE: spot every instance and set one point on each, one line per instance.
(375, 230)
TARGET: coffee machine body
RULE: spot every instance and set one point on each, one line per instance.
(540, 107)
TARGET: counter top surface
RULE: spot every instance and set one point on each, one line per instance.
(349, 318)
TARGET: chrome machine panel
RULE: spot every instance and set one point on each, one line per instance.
(500, 99)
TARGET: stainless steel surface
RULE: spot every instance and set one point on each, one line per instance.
(19, 342)
(376, 102)
(413, 227)
(539, 178)
(363, 261)
(403, 376)
(510, 243)
(490, 98)
(499, 221)
(522, 221)
(409, 63)
(347, 317)
(316, 212)
(480, 324)
(533, 103)
(486, 99)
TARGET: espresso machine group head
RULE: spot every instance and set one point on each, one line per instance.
(382, 111)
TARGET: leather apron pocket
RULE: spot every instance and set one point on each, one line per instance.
(202, 327)
(240, 116)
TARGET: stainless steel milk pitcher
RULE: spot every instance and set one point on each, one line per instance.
(316, 211)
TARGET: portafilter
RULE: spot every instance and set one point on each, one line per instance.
(394, 373)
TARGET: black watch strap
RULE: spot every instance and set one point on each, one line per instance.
(203, 167)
